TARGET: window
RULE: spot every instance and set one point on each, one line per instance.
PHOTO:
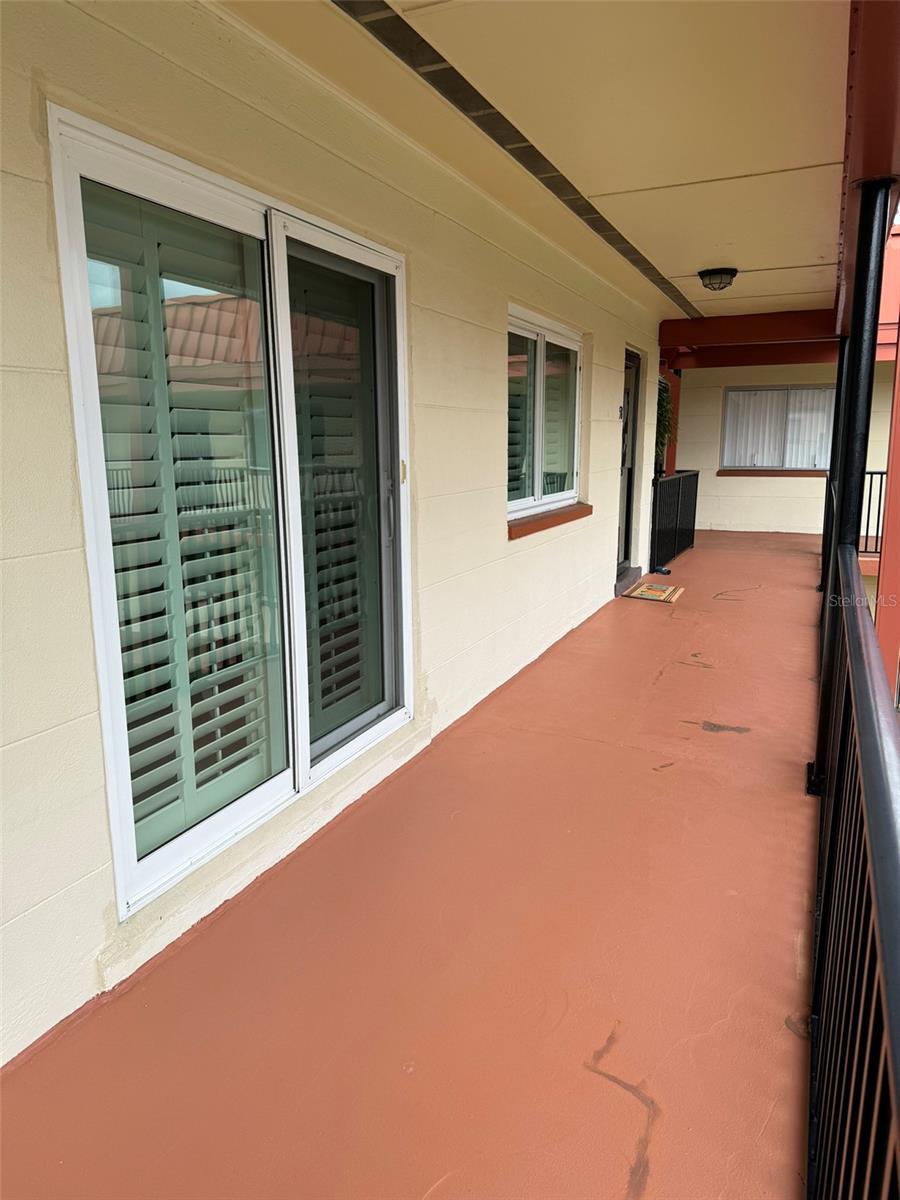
(238, 385)
(544, 387)
(785, 429)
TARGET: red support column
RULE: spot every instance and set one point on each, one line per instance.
(889, 313)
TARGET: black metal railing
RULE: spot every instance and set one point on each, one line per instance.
(673, 517)
(872, 513)
(855, 1022)
(829, 566)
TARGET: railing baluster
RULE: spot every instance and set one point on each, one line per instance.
(880, 1125)
(848, 1021)
(873, 506)
(837, 1089)
(871, 1000)
(673, 516)
(855, 1021)
(890, 1187)
(833, 1016)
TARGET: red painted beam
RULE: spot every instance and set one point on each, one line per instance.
(872, 140)
(775, 339)
(804, 325)
(873, 81)
(764, 354)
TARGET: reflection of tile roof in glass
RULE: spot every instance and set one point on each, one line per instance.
(518, 367)
(217, 328)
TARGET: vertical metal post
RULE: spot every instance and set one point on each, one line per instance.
(854, 435)
(873, 217)
(834, 470)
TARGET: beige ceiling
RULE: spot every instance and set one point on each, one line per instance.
(710, 133)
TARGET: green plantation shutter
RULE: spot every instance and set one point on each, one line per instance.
(520, 421)
(334, 352)
(550, 403)
(187, 439)
(560, 382)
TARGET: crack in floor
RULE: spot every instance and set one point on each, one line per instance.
(716, 727)
(640, 1165)
(726, 593)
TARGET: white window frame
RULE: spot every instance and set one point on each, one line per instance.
(540, 329)
(787, 388)
(82, 148)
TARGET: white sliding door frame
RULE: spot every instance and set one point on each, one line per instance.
(83, 149)
(283, 226)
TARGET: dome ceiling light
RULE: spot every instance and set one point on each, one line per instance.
(717, 279)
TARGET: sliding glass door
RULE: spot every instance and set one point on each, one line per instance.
(177, 310)
(341, 348)
(178, 318)
(238, 378)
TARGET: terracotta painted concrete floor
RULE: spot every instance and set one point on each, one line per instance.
(561, 954)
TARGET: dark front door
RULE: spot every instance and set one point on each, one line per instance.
(626, 482)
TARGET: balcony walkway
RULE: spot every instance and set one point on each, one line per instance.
(561, 954)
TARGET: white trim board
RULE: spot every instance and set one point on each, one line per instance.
(79, 148)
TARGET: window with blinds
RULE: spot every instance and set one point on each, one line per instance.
(187, 432)
(521, 372)
(785, 428)
(542, 418)
(560, 404)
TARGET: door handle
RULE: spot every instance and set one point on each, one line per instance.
(391, 515)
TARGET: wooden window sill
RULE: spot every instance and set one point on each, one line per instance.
(771, 473)
(522, 526)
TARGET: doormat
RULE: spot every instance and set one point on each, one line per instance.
(667, 593)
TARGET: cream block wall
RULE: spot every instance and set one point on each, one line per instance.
(182, 78)
(777, 503)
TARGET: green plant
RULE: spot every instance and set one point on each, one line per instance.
(664, 421)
